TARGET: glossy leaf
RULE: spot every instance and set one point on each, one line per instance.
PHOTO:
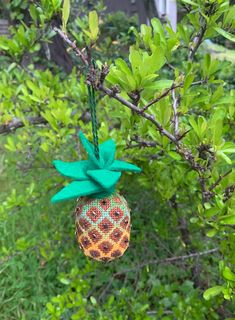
(225, 34)
(65, 14)
(212, 292)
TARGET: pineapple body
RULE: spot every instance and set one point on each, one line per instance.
(103, 226)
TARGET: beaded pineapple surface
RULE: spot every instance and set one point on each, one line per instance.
(103, 226)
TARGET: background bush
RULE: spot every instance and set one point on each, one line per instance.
(183, 202)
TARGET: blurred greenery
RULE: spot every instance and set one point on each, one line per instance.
(44, 274)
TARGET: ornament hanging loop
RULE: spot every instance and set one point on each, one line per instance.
(92, 106)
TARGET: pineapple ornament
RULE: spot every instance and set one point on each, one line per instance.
(102, 215)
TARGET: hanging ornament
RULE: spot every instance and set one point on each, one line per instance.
(102, 215)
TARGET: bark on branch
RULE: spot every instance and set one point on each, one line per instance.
(167, 91)
(112, 94)
(16, 123)
(175, 112)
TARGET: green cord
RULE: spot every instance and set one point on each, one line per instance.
(92, 104)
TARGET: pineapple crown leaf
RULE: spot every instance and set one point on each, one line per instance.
(93, 177)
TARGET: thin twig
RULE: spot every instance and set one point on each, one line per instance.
(111, 93)
(166, 92)
(152, 262)
(205, 196)
(72, 45)
(141, 143)
(175, 112)
(163, 95)
(215, 184)
(197, 41)
(168, 260)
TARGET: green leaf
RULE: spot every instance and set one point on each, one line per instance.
(65, 14)
(93, 300)
(156, 60)
(11, 66)
(88, 33)
(216, 125)
(123, 66)
(228, 274)
(174, 155)
(93, 25)
(10, 144)
(161, 84)
(194, 125)
(229, 219)
(135, 59)
(190, 2)
(65, 281)
(158, 28)
(228, 147)
(33, 12)
(212, 292)
(224, 156)
(146, 33)
(211, 233)
(225, 34)
(50, 307)
(188, 81)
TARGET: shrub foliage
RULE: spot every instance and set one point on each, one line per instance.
(169, 105)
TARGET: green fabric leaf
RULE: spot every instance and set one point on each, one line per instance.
(95, 177)
(75, 170)
(119, 165)
(107, 152)
(89, 149)
(76, 189)
(105, 178)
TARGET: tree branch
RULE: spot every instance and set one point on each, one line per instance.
(168, 260)
(175, 112)
(166, 92)
(112, 94)
(72, 45)
(17, 123)
(163, 95)
(141, 143)
(215, 184)
(157, 261)
(197, 40)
